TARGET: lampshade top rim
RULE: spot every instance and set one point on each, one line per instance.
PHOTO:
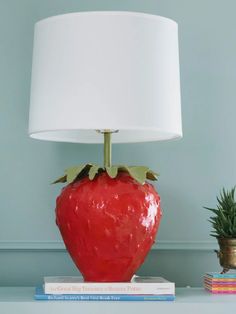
(117, 13)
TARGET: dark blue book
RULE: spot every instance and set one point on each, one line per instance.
(40, 295)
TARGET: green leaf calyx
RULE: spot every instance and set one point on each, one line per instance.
(139, 173)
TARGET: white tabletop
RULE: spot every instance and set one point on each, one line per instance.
(188, 300)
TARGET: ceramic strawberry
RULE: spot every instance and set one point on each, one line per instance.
(108, 218)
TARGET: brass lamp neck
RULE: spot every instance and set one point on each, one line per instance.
(107, 145)
(107, 149)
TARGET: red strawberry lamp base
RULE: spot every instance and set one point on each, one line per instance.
(108, 225)
(108, 217)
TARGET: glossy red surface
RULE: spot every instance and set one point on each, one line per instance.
(108, 225)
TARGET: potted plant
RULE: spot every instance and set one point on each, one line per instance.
(224, 228)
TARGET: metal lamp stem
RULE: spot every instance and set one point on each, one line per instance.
(107, 149)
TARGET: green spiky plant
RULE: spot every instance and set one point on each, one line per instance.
(224, 221)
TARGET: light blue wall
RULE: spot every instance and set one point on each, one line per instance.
(192, 170)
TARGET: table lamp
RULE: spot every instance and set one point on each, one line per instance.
(98, 75)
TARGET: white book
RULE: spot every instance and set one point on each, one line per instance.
(138, 285)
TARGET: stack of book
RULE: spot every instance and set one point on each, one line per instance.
(220, 283)
(74, 288)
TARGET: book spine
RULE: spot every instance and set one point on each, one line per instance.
(92, 297)
(219, 285)
(222, 276)
(101, 288)
(227, 281)
(221, 291)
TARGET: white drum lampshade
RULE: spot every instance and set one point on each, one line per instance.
(105, 71)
